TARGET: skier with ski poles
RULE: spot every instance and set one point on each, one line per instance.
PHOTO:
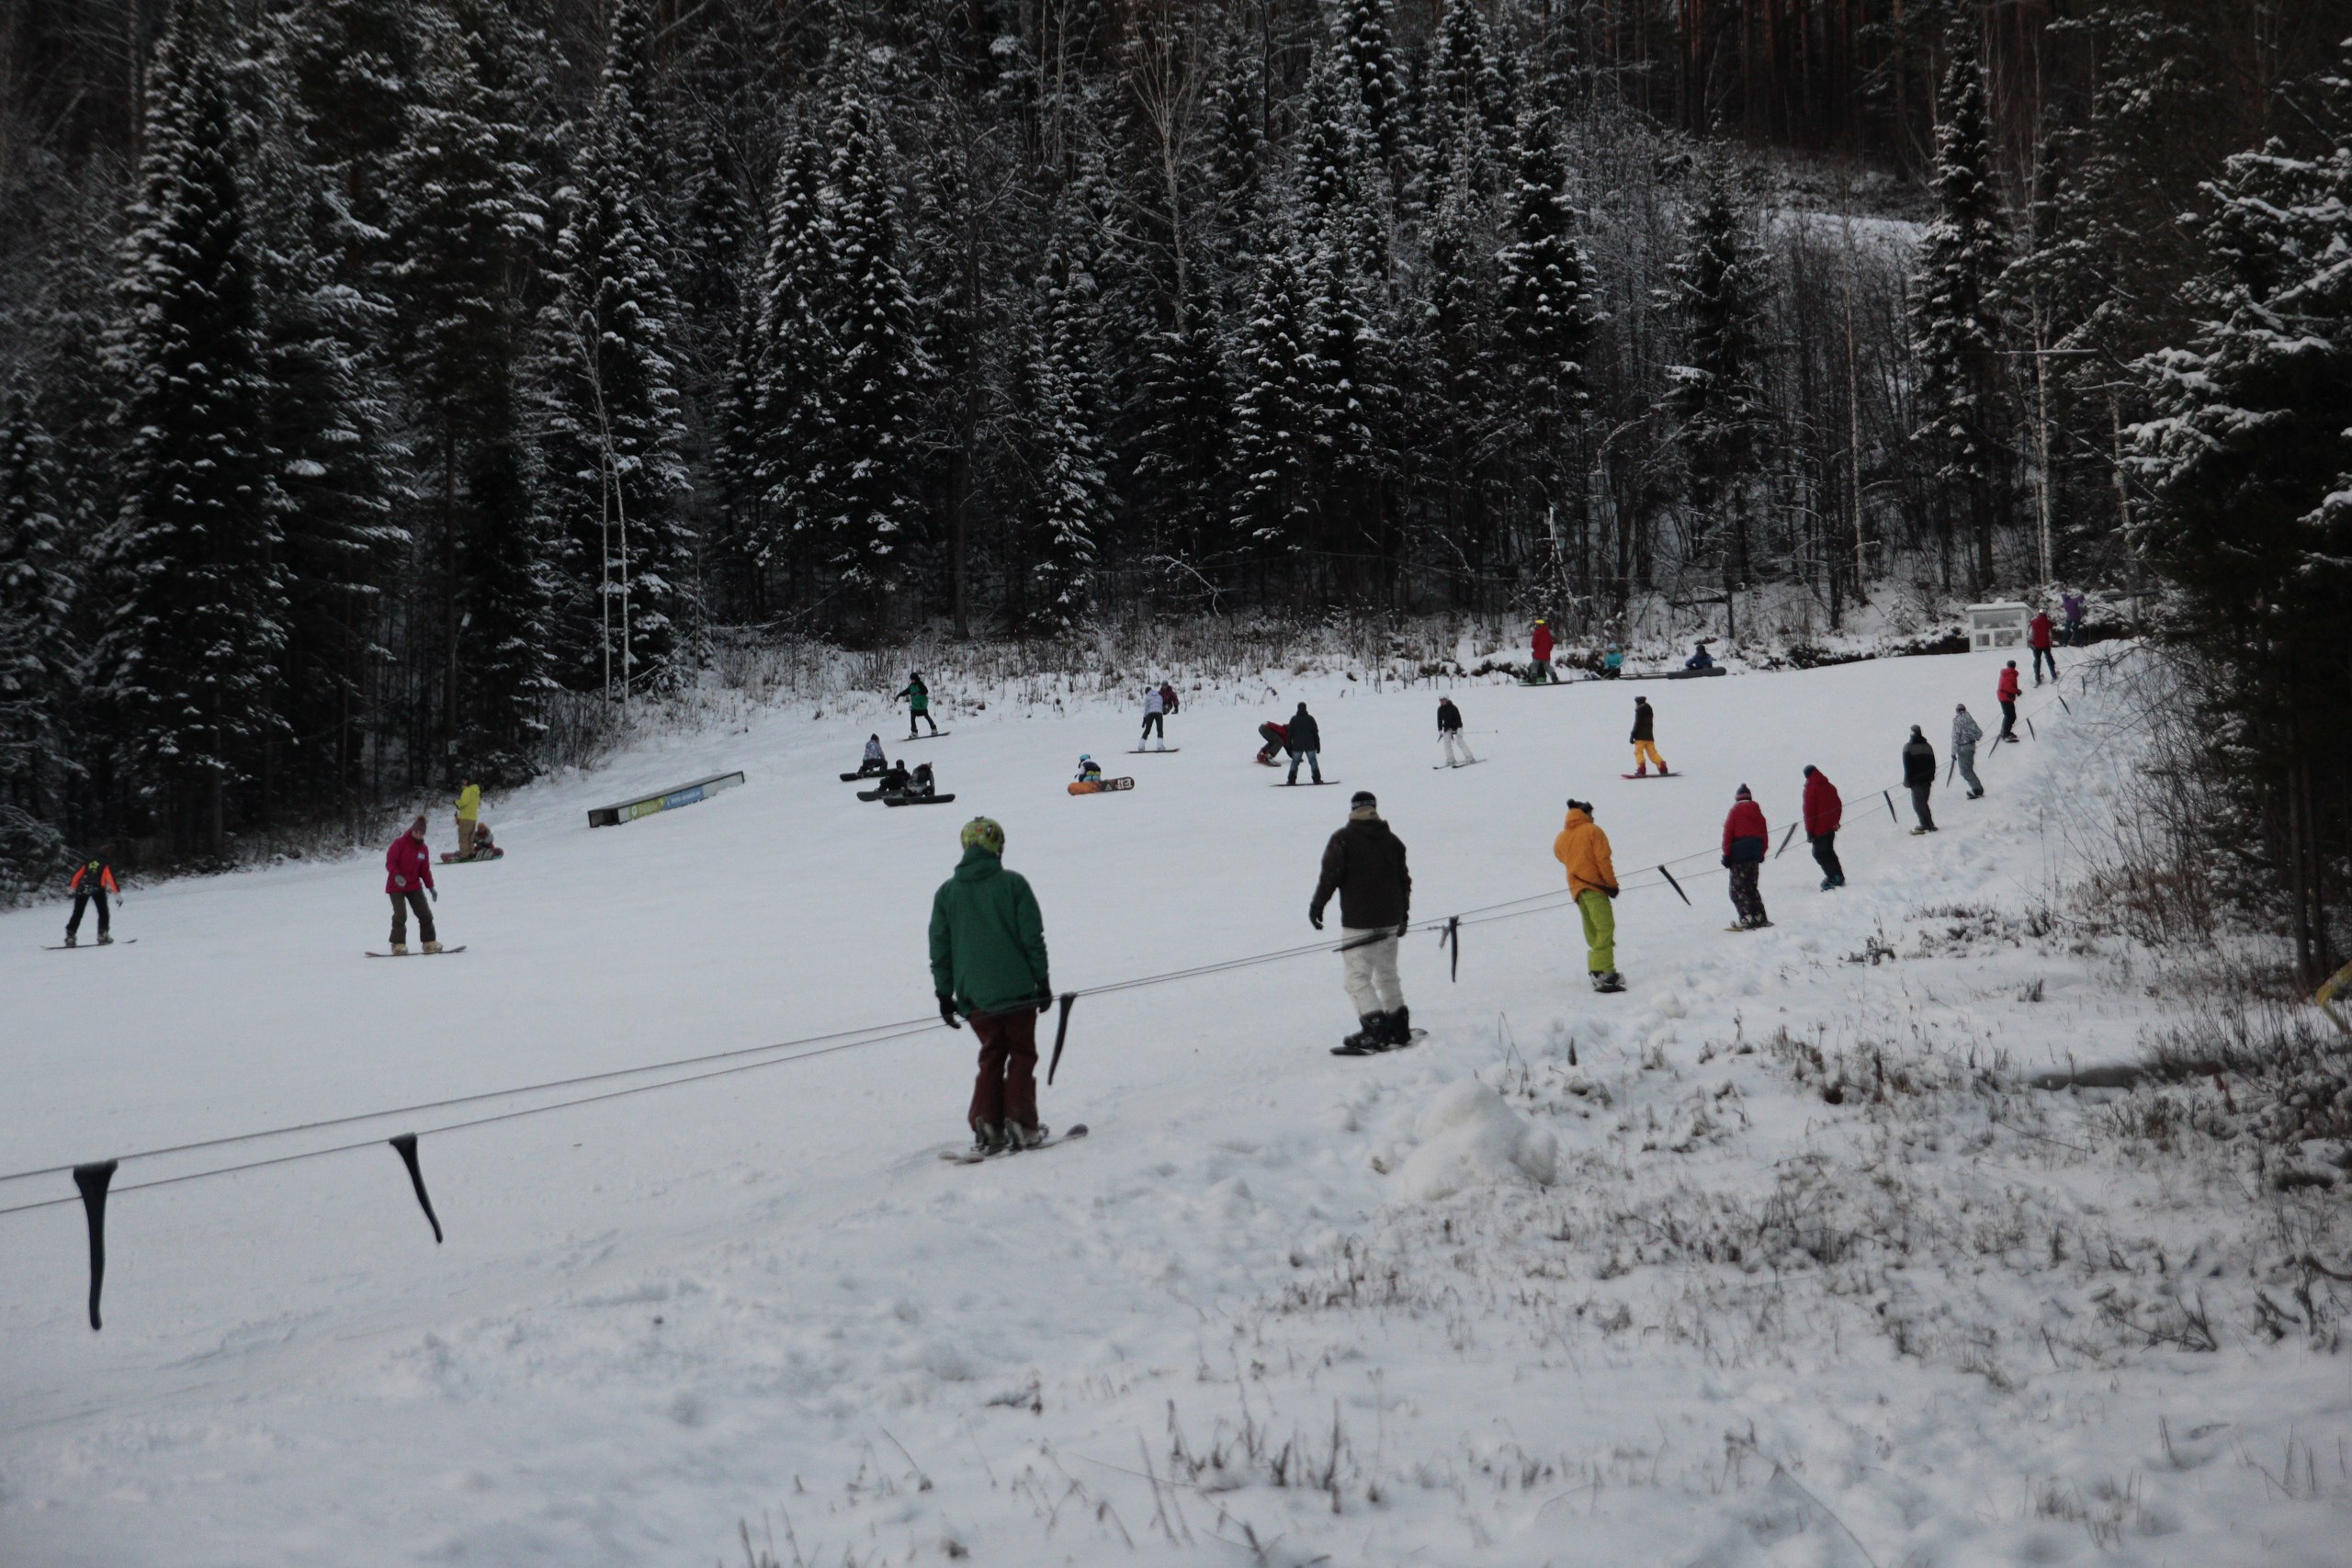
(1449, 733)
(1824, 812)
(1644, 739)
(1920, 778)
(1745, 834)
(408, 877)
(1965, 733)
(917, 696)
(1304, 738)
(2008, 692)
(92, 881)
(1364, 865)
(987, 964)
(1583, 849)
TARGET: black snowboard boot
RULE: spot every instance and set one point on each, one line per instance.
(1369, 1038)
(1399, 1031)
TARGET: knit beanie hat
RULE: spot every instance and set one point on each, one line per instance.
(1915, 734)
(1363, 805)
(1809, 770)
(1743, 793)
(417, 826)
(984, 833)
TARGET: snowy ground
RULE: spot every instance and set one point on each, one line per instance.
(1780, 1266)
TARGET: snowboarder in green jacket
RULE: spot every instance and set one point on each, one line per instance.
(917, 696)
(988, 964)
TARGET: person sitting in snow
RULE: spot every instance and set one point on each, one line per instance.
(894, 779)
(485, 848)
(920, 783)
(1700, 657)
(1089, 771)
(874, 764)
(1612, 664)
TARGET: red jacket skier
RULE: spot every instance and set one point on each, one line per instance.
(408, 877)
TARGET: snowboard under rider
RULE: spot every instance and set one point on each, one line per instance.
(1449, 734)
(1644, 738)
(408, 877)
(917, 696)
(1364, 865)
(987, 964)
(92, 881)
(1745, 836)
(1920, 778)
(1304, 738)
(1965, 733)
(1824, 812)
(1583, 849)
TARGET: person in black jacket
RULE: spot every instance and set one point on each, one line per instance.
(1644, 738)
(1305, 741)
(1449, 734)
(1919, 777)
(1364, 865)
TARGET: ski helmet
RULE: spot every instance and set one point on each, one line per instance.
(984, 833)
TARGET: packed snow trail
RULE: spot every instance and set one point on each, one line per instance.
(652, 1315)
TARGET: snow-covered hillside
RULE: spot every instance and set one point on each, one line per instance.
(1770, 1261)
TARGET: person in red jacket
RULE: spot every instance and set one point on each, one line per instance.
(92, 880)
(1745, 834)
(1824, 813)
(2008, 692)
(408, 877)
(1540, 672)
(2037, 637)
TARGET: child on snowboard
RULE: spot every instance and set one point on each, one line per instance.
(917, 696)
(92, 880)
(1745, 833)
(408, 877)
(988, 964)
(1090, 772)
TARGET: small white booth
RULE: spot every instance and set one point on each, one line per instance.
(1998, 625)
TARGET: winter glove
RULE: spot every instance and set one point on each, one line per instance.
(436, 894)
(1404, 929)
(1314, 918)
(1726, 862)
(947, 1012)
(1045, 1005)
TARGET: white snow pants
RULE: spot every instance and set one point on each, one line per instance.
(1371, 956)
(1453, 742)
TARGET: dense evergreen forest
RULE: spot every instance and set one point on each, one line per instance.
(371, 369)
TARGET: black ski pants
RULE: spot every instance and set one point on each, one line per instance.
(921, 717)
(401, 904)
(84, 896)
(1153, 724)
(2010, 720)
(2042, 656)
(1920, 805)
(1825, 855)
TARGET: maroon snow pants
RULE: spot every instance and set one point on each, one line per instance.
(1007, 1087)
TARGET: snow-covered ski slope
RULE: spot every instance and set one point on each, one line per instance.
(1465, 1305)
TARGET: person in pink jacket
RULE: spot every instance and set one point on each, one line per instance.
(408, 877)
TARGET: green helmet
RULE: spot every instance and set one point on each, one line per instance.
(984, 833)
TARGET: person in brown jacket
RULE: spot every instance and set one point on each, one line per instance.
(1583, 848)
(1364, 865)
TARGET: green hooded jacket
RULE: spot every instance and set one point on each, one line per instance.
(987, 940)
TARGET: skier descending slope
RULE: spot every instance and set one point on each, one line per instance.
(1304, 738)
(91, 883)
(1644, 739)
(1364, 865)
(408, 877)
(1965, 733)
(1449, 734)
(1824, 813)
(1583, 848)
(1920, 778)
(917, 696)
(1745, 835)
(988, 963)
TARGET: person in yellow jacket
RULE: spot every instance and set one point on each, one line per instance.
(468, 816)
(1583, 848)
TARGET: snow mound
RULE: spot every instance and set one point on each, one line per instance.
(1470, 1138)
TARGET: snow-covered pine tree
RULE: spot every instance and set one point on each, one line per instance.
(192, 662)
(471, 232)
(1469, 97)
(873, 376)
(1955, 317)
(1455, 409)
(613, 429)
(37, 660)
(321, 178)
(1274, 411)
(1355, 389)
(793, 415)
(1719, 299)
(1364, 51)
(1545, 313)
(2249, 466)
(1182, 434)
(1068, 499)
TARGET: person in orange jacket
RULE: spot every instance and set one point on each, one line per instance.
(92, 880)
(1583, 848)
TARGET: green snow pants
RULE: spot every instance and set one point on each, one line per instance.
(1600, 930)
